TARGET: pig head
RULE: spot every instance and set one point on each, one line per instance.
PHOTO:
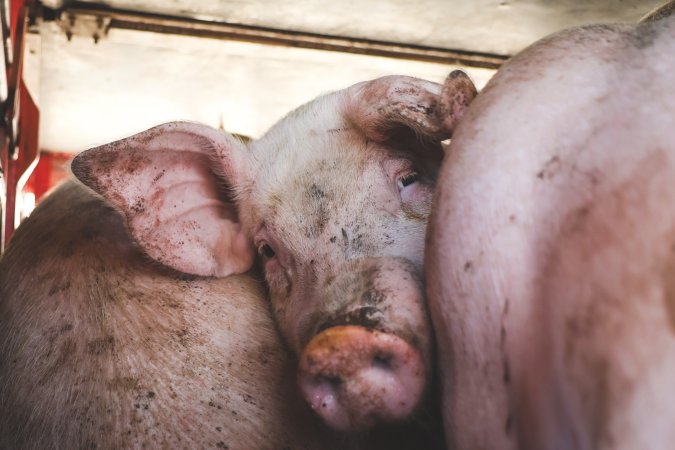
(334, 199)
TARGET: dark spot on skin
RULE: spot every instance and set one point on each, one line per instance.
(344, 236)
(123, 383)
(183, 336)
(372, 296)
(139, 206)
(329, 280)
(59, 287)
(506, 374)
(357, 243)
(319, 201)
(512, 218)
(221, 444)
(550, 169)
(509, 423)
(151, 394)
(316, 192)
(158, 176)
(136, 160)
(333, 239)
(219, 429)
(100, 346)
(468, 266)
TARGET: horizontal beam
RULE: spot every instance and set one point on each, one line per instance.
(132, 20)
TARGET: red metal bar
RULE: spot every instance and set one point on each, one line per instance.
(21, 120)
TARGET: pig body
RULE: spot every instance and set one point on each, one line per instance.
(551, 248)
(102, 348)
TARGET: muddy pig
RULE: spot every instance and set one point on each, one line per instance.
(334, 199)
(551, 250)
(134, 329)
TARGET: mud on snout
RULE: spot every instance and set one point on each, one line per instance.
(368, 353)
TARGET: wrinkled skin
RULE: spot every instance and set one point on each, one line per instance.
(335, 199)
(551, 248)
(102, 348)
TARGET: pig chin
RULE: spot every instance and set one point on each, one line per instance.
(369, 362)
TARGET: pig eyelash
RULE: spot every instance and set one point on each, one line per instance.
(407, 180)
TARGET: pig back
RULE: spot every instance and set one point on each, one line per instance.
(100, 347)
(551, 249)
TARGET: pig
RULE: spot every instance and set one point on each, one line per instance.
(334, 200)
(100, 347)
(140, 294)
(551, 248)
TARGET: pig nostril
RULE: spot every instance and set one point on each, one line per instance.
(333, 382)
(382, 361)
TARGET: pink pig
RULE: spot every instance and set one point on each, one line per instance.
(551, 253)
(335, 198)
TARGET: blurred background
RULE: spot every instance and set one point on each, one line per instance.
(83, 73)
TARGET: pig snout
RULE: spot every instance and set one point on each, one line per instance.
(355, 377)
(369, 362)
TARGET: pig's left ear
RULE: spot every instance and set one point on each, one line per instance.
(170, 184)
(380, 106)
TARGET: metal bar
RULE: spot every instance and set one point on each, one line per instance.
(4, 151)
(133, 20)
(15, 71)
(14, 168)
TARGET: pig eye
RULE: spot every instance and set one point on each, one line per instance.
(265, 250)
(408, 179)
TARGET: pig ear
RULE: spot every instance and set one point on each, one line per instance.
(170, 183)
(380, 106)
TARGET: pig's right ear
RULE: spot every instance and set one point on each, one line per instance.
(380, 106)
(170, 183)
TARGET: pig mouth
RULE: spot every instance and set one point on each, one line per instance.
(355, 377)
